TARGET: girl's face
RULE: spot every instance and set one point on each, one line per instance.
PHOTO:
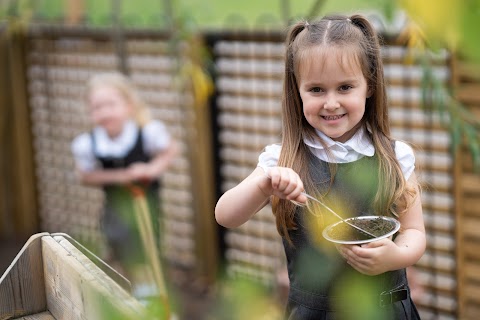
(333, 94)
(109, 109)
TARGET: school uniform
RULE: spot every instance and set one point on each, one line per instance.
(322, 284)
(96, 150)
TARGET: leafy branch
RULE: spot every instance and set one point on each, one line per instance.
(462, 124)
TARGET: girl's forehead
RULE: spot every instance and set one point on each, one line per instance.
(105, 90)
(103, 87)
(318, 57)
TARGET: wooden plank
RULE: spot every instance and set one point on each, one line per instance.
(468, 71)
(472, 205)
(472, 310)
(471, 183)
(466, 159)
(438, 302)
(470, 227)
(472, 270)
(22, 290)
(253, 244)
(470, 250)
(38, 316)
(23, 192)
(472, 292)
(77, 289)
(469, 93)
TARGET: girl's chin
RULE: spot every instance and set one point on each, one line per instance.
(112, 132)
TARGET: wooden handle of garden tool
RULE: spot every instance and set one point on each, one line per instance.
(146, 232)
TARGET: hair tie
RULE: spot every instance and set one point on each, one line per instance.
(349, 20)
(306, 24)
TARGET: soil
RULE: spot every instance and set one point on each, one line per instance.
(376, 226)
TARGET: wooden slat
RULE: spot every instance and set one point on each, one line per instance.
(470, 251)
(472, 271)
(467, 72)
(472, 292)
(470, 228)
(77, 289)
(239, 104)
(253, 244)
(471, 205)
(252, 259)
(469, 93)
(438, 303)
(22, 288)
(251, 67)
(39, 316)
(472, 310)
(471, 183)
(250, 49)
(430, 312)
(259, 229)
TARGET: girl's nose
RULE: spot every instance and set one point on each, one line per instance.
(331, 102)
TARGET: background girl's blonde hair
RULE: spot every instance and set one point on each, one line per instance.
(126, 88)
(354, 37)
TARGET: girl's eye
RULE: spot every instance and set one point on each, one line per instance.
(316, 89)
(345, 87)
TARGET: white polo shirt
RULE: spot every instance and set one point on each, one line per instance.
(354, 149)
(155, 138)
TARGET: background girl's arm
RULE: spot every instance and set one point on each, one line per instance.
(101, 177)
(239, 204)
(155, 167)
(135, 172)
(384, 255)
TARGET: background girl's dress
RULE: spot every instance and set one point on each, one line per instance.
(95, 150)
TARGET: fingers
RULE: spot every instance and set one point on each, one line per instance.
(138, 171)
(286, 183)
(370, 259)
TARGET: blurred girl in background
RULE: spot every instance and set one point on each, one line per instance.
(125, 149)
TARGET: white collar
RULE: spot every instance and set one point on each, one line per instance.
(359, 143)
(119, 145)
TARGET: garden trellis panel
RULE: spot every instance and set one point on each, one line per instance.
(59, 63)
(466, 82)
(249, 86)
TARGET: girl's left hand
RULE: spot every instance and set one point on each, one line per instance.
(371, 258)
(140, 171)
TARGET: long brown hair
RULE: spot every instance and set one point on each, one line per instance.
(353, 36)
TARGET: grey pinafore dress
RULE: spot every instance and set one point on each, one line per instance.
(322, 284)
(118, 221)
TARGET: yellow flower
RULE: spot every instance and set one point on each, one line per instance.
(439, 19)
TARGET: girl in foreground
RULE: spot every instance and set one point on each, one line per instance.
(336, 145)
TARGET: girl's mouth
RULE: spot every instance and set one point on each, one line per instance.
(331, 118)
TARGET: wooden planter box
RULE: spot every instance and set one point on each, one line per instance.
(53, 277)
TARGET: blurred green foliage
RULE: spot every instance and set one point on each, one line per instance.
(203, 13)
(240, 298)
(448, 24)
(454, 25)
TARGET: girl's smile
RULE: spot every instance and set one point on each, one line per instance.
(333, 118)
(333, 91)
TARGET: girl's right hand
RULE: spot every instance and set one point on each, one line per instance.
(285, 184)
